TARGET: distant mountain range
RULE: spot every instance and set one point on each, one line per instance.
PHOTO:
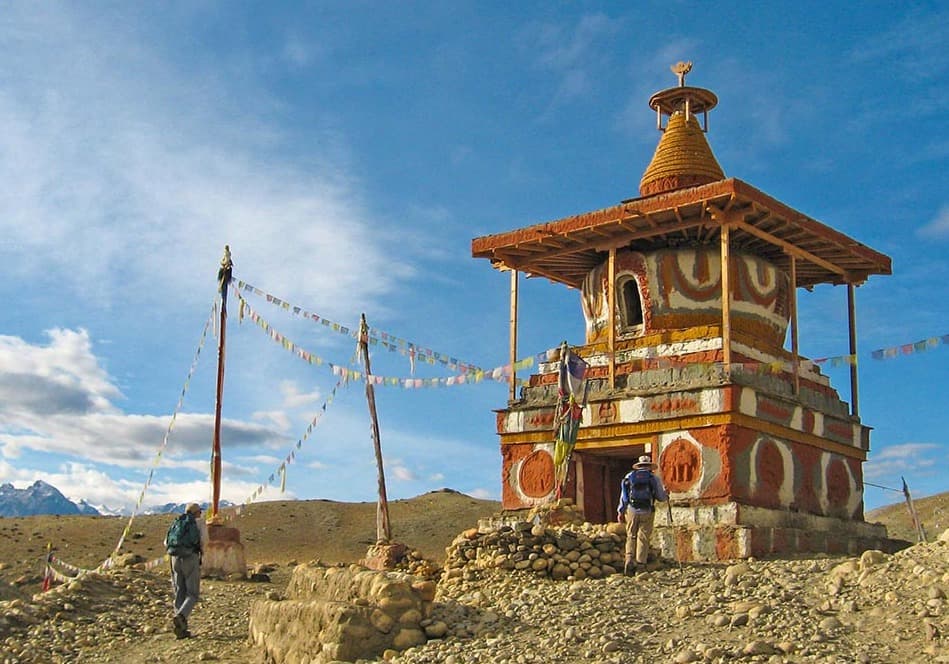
(40, 498)
(43, 498)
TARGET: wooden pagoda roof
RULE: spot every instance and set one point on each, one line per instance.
(567, 249)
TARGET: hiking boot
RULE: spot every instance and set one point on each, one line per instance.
(180, 625)
(629, 569)
(641, 569)
(184, 635)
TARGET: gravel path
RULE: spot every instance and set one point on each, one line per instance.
(877, 608)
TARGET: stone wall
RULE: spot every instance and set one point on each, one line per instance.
(551, 541)
(342, 614)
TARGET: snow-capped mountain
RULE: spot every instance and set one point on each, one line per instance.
(43, 498)
(178, 508)
(39, 498)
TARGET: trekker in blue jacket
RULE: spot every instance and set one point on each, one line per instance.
(185, 542)
(639, 491)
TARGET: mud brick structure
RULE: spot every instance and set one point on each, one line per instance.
(333, 614)
(689, 294)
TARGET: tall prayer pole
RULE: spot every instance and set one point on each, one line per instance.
(223, 278)
(383, 531)
(852, 320)
(512, 394)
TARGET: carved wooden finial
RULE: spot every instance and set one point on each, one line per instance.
(680, 69)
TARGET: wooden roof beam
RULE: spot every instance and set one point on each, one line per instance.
(793, 249)
(529, 269)
(737, 221)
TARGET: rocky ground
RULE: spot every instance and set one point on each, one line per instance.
(876, 608)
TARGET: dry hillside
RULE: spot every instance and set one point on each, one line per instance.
(933, 512)
(271, 531)
(313, 529)
(821, 609)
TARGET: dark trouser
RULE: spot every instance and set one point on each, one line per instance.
(186, 581)
(638, 532)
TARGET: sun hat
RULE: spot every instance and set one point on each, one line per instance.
(193, 508)
(645, 461)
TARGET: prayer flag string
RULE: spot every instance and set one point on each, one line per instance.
(415, 352)
(501, 374)
(110, 561)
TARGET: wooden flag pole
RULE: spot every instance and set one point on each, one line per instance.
(383, 530)
(920, 533)
(224, 278)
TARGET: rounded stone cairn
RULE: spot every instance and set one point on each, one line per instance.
(549, 541)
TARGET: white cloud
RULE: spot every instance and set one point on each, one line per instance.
(57, 411)
(939, 226)
(115, 172)
(62, 376)
(574, 53)
(265, 459)
(404, 474)
(81, 481)
(294, 398)
(911, 45)
(893, 461)
(276, 418)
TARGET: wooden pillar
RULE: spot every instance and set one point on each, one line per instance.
(383, 530)
(224, 278)
(513, 391)
(726, 300)
(795, 357)
(852, 319)
(611, 303)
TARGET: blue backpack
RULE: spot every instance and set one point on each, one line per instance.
(639, 489)
(183, 537)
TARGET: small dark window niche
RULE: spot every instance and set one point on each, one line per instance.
(631, 305)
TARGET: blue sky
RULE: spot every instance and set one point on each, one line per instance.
(349, 152)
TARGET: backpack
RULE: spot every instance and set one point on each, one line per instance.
(183, 537)
(639, 489)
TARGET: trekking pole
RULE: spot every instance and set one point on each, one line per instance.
(672, 530)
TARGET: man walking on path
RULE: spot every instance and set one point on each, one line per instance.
(185, 544)
(638, 493)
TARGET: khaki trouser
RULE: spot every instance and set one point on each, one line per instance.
(638, 532)
(186, 582)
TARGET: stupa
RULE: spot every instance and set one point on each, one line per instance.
(689, 298)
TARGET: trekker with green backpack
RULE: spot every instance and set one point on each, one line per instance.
(184, 543)
(638, 493)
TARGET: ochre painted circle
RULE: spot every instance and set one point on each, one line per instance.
(769, 467)
(838, 483)
(681, 465)
(536, 477)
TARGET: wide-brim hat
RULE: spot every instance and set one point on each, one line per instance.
(193, 508)
(645, 461)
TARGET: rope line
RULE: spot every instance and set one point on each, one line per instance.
(502, 373)
(880, 486)
(388, 341)
(291, 456)
(110, 561)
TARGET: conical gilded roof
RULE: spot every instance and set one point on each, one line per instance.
(683, 158)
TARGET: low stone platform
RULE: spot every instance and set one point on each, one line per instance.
(224, 554)
(342, 614)
(727, 531)
(731, 530)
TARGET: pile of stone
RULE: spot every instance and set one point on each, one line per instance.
(550, 541)
(399, 557)
(333, 613)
